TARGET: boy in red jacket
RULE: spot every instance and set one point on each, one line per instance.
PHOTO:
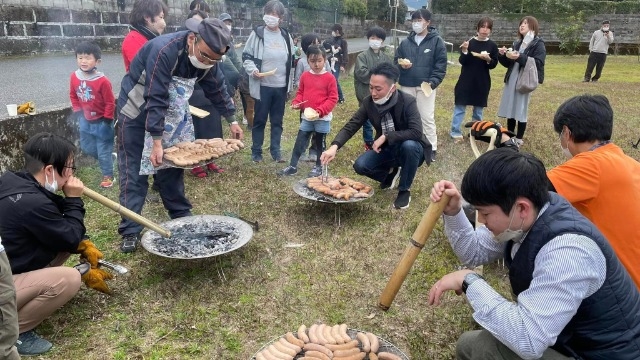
(93, 104)
(317, 95)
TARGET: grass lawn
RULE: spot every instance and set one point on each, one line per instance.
(180, 309)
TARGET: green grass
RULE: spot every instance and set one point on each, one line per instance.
(183, 309)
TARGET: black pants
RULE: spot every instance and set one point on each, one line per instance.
(596, 60)
(133, 186)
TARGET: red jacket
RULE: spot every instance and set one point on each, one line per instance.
(131, 44)
(92, 94)
(319, 91)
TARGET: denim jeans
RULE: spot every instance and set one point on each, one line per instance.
(271, 105)
(458, 116)
(134, 187)
(409, 155)
(96, 140)
(337, 76)
(367, 132)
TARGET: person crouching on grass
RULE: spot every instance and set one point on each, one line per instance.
(93, 104)
(317, 91)
(399, 147)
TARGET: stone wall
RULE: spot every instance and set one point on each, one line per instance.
(15, 131)
(40, 26)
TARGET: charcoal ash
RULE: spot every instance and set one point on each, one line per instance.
(197, 237)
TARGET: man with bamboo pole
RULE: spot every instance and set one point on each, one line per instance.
(573, 297)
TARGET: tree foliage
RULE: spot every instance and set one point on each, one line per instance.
(380, 10)
(569, 32)
(355, 8)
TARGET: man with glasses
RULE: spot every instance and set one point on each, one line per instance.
(153, 114)
(40, 230)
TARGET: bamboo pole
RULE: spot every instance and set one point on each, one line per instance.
(126, 212)
(417, 242)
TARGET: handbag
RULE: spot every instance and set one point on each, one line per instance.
(528, 77)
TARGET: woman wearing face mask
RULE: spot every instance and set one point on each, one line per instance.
(514, 105)
(478, 55)
(40, 230)
(366, 61)
(269, 48)
(425, 50)
(338, 55)
(146, 21)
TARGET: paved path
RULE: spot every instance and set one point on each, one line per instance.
(44, 79)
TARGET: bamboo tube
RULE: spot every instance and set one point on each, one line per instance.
(126, 212)
(419, 238)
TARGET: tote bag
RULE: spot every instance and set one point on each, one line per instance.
(528, 77)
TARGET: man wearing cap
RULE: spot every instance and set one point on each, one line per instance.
(598, 48)
(153, 114)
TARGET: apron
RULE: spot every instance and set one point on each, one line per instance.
(178, 124)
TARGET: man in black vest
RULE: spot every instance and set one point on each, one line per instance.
(574, 299)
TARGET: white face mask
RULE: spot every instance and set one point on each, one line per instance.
(565, 151)
(417, 27)
(605, 28)
(333, 33)
(229, 27)
(197, 63)
(375, 44)
(509, 234)
(53, 187)
(271, 21)
(383, 100)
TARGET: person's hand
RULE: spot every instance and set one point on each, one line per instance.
(156, 153)
(236, 131)
(485, 57)
(328, 155)
(342, 69)
(95, 279)
(73, 187)
(90, 253)
(513, 55)
(407, 66)
(377, 145)
(295, 106)
(256, 74)
(452, 281)
(464, 46)
(455, 199)
(502, 50)
(479, 131)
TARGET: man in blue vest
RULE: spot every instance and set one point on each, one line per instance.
(573, 298)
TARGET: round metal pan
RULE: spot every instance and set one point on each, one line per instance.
(198, 236)
(301, 189)
(385, 346)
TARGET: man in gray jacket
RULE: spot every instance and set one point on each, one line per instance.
(598, 48)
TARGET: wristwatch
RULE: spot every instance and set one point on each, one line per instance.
(510, 143)
(469, 279)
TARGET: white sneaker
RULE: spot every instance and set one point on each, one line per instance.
(245, 121)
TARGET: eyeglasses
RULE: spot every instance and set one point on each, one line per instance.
(73, 168)
(204, 56)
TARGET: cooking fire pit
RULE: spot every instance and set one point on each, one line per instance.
(198, 236)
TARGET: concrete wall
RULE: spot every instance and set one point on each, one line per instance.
(15, 131)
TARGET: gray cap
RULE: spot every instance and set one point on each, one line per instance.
(213, 31)
(225, 16)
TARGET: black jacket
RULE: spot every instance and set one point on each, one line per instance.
(429, 59)
(35, 224)
(536, 50)
(406, 120)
